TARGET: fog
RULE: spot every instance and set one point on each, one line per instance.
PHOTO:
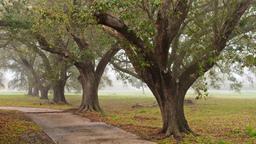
(118, 86)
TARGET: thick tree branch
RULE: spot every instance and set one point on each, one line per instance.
(168, 26)
(197, 68)
(45, 59)
(229, 25)
(121, 27)
(81, 42)
(105, 60)
(55, 50)
(31, 70)
(246, 25)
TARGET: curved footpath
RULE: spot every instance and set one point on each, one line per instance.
(67, 128)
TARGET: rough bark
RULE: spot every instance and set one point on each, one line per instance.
(31, 81)
(90, 75)
(90, 84)
(30, 90)
(170, 94)
(44, 92)
(60, 81)
(35, 91)
(174, 121)
(59, 92)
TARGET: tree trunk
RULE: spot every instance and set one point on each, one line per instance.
(90, 100)
(59, 92)
(44, 93)
(30, 85)
(174, 121)
(170, 96)
(35, 91)
(30, 90)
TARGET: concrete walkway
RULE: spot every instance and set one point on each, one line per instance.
(67, 128)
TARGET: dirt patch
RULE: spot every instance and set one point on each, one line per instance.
(15, 128)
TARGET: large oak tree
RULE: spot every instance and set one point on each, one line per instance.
(173, 43)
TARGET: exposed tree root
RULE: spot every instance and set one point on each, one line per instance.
(177, 134)
(89, 108)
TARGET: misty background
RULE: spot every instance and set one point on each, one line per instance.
(248, 81)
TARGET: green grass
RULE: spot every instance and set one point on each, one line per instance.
(22, 100)
(251, 131)
(217, 120)
(220, 119)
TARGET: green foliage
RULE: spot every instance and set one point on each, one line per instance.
(59, 21)
(250, 60)
(143, 24)
(223, 142)
(16, 14)
(250, 131)
(201, 88)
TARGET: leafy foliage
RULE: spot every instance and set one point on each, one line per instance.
(251, 131)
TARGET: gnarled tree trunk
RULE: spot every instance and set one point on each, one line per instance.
(35, 91)
(170, 94)
(90, 79)
(59, 92)
(44, 92)
(30, 90)
(31, 81)
(172, 110)
(90, 100)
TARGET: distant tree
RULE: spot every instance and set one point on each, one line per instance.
(1, 80)
(59, 28)
(90, 49)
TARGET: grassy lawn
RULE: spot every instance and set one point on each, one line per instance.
(15, 128)
(222, 119)
(21, 100)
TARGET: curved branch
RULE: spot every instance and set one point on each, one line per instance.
(121, 27)
(105, 60)
(168, 28)
(46, 46)
(129, 72)
(198, 68)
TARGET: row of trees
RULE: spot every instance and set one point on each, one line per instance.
(168, 44)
